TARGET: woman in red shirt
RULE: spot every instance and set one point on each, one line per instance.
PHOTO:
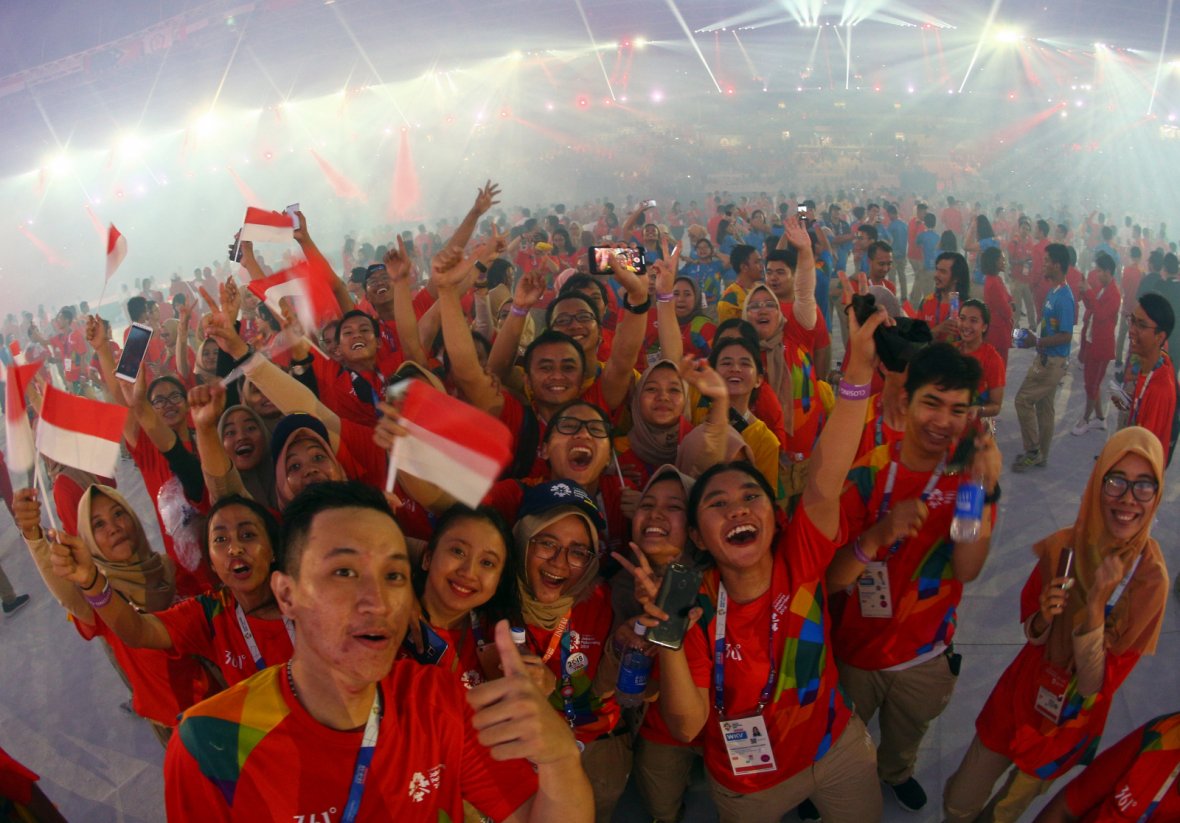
(1088, 617)
(974, 321)
(1102, 301)
(998, 302)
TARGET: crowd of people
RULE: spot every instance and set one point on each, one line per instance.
(311, 642)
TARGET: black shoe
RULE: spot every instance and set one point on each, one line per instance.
(15, 603)
(807, 811)
(910, 795)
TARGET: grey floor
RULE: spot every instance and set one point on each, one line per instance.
(59, 697)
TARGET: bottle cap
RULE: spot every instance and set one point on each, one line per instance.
(519, 636)
(640, 629)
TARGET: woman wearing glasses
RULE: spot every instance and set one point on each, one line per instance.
(568, 617)
(1091, 608)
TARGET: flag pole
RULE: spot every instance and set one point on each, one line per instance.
(391, 475)
(46, 498)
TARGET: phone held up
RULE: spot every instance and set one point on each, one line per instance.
(678, 593)
(133, 352)
(602, 259)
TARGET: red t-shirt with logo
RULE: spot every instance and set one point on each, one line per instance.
(994, 371)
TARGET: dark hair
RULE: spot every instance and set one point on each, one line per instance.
(944, 366)
(1136, 252)
(979, 305)
(505, 600)
(930, 220)
(269, 523)
(698, 488)
(745, 330)
(739, 254)
(947, 241)
(1171, 263)
(749, 347)
(876, 246)
(480, 342)
(136, 308)
(983, 227)
(167, 378)
(571, 404)
(1043, 227)
(571, 295)
(868, 230)
(348, 315)
(579, 283)
(1159, 311)
(960, 271)
(787, 256)
(552, 336)
(989, 260)
(1155, 260)
(499, 273)
(1104, 261)
(722, 229)
(316, 498)
(1059, 254)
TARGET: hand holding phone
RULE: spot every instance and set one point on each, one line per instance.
(131, 360)
(678, 594)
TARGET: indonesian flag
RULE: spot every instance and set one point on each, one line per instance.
(315, 303)
(262, 226)
(116, 249)
(80, 432)
(17, 432)
(451, 444)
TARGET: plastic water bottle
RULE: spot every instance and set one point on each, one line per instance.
(520, 638)
(968, 522)
(954, 300)
(633, 671)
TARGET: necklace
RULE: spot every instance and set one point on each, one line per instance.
(291, 681)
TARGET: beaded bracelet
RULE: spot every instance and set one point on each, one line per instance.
(854, 391)
(101, 599)
(518, 311)
(859, 552)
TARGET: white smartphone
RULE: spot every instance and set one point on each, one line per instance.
(291, 210)
(133, 353)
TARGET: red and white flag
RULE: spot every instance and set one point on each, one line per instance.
(315, 303)
(116, 249)
(451, 444)
(263, 226)
(80, 432)
(18, 434)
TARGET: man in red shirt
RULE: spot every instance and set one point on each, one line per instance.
(880, 257)
(900, 579)
(287, 743)
(1020, 255)
(1040, 286)
(1132, 275)
(1149, 387)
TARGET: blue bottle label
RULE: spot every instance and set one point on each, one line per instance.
(633, 676)
(969, 501)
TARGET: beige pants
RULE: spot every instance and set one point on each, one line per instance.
(907, 701)
(965, 797)
(662, 775)
(1026, 304)
(607, 764)
(899, 266)
(842, 785)
(1034, 402)
(923, 284)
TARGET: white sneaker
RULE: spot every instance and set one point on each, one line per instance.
(1098, 424)
(1081, 427)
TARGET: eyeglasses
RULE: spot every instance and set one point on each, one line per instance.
(563, 320)
(572, 425)
(577, 555)
(763, 304)
(1115, 486)
(162, 400)
(1142, 325)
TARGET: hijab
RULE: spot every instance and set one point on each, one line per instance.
(260, 480)
(778, 373)
(1135, 621)
(654, 445)
(283, 492)
(549, 615)
(147, 579)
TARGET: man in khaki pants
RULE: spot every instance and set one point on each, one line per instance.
(1038, 392)
(898, 583)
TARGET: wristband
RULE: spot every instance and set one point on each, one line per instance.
(517, 311)
(102, 598)
(663, 297)
(481, 267)
(854, 391)
(859, 552)
(642, 308)
(306, 361)
(93, 580)
(993, 497)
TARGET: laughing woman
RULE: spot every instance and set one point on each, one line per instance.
(1087, 625)
(238, 627)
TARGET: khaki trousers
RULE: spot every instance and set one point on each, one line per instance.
(965, 797)
(607, 764)
(842, 785)
(908, 701)
(899, 264)
(662, 775)
(1026, 304)
(1034, 402)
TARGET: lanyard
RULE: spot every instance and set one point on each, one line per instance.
(887, 497)
(719, 652)
(556, 637)
(363, 759)
(1159, 796)
(567, 680)
(1118, 592)
(251, 643)
(1139, 395)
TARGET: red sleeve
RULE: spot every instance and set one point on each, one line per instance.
(189, 628)
(807, 551)
(994, 368)
(423, 300)
(1158, 406)
(188, 794)
(325, 370)
(1092, 787)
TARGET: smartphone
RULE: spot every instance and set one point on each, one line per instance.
(648, 204)
(435, 646)
(133, 352)
(235, 248)
(678, 594)
(291, 209)
(602, 260)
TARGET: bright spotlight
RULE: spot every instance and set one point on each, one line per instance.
(1008, 35)
(657, 96)
(640, 42)
(516, 55)
(130, 144)
(59, 164)
(206, 124)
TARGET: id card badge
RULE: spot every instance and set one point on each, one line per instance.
(873, 589)
(1052, 685)
(748, 745)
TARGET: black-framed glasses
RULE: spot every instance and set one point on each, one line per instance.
(562, 320)
(1142, 325)
(578, 555)
(572, 425)
(1115, 486)
(173, 399)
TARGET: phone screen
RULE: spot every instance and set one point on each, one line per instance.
(133, 352)
(602, 260)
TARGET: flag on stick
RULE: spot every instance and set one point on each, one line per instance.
(116, 250)
(81, 432)
(263, 226)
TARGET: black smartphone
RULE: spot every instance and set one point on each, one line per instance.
(678, 594)
(133, 352)
(602, 260)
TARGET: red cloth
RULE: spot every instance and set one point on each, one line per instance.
(999, 305)
(994, 370)
(1132, 276)
(1100, 322)
(1153, 399)
(16, 782)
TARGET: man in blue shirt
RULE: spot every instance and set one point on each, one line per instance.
(927, 241)
(899, 236)
(1034, 401)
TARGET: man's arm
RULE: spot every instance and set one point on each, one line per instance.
(316, 258)
(619, 371)
(529, 289)
(804, 307)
